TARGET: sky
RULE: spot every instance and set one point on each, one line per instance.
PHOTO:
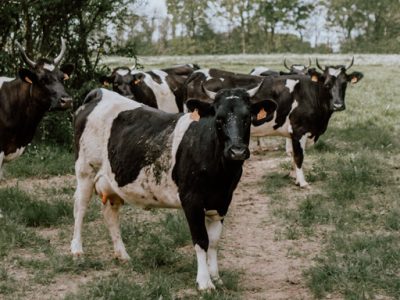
(316, 33)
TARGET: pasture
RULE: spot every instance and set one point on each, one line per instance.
(340, 239)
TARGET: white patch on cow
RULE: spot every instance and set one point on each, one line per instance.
(299, 67)
(5, 79)
(232, 97)
(258, 70)
(48, 67)
(334, 72)
(300, 180)
(222, 79)
(290, 84)
(214, 229)
(165, 98)
(206, 73)
(14, 155)
(203, 278)
(267, 129)
(122, 72)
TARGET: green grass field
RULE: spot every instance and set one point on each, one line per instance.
(352, 210)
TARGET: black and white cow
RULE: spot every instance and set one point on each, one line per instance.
(129, 152)
(294, 69)
(161, 89)
(305, 104)
(25, 100)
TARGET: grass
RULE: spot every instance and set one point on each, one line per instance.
(353, 204)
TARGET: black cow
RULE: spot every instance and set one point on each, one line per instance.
(129, 152)
(294, 69)
(25, 100)
(157, 88)
(304, 105)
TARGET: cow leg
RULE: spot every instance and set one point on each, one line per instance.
(82, 197)
(289, 147)
(214, 229)
(196, 219)
(298, 157)
(111, 216)
(1, 164)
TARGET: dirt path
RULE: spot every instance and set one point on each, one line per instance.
(271, 269)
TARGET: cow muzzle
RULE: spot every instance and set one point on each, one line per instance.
(338, 107)
(238, 153)
(66, 102)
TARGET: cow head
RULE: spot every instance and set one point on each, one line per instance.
(232, 114)
(298, 68)
(335, 79)
(47, 80)
(121, 80)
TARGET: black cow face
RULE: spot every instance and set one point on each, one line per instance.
(232, 114)
(335, 79)
(47, 80)
(121, 81)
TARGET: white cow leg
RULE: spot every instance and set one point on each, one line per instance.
(214, 229)
(82, 197)
(203, 278)
(298, 157)
(111, 216)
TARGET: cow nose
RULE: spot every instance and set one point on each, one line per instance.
(239, 153)
(338, 107)
(66, 102)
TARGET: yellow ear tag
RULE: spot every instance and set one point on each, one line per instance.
(66, 77)
(28, 80)
(314, 78)
(354, 80)
(195, 115)
(261, 114)
(136, 81)
(105, 83)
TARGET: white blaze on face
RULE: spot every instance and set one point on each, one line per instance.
(16, 154)
(48, 67)
(122, 72)
(334, 72)
(5, 79)
(290, 84)
(299, 67)
(206, 73)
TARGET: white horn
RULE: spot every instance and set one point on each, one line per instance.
(24, 56)
(209, 93)
(254, 91)
(60, 56)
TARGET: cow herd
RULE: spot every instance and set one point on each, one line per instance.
(174, 137)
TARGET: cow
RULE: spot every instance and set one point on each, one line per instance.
(130, 152)
(25, 100)
(305, 104)
(294, 69)
(157, 88)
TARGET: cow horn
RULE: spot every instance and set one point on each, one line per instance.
(309, 63)
(60, 56)
(24, 56)
(318, 65)
(254, 91)
(134, 66)
(351, 64)
(209, 93)
(284, 63)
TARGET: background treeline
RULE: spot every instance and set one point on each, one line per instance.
(93, 28)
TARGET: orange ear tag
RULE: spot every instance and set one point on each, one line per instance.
(28, 80)
(261, 114)
(195, 115)
(314, 78)
(66, 77)
(354, 80)
(136, 81)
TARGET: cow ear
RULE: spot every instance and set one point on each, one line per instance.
(105, 80)
(262, 112)
(314, 75)
(27, 76)
(67, 69)
(203, 108)
(137, 78)
(355, 77)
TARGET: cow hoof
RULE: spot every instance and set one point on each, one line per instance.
(305, 186)
(205, 286)
(217, 281)
(123, 257)
(76, 249)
